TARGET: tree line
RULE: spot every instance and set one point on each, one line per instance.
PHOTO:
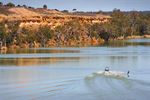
(120, 24)
(127, 24)
(13, 5)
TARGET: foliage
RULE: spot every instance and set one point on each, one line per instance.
(125, 24)
(25, 6)
(9, 37)
(11, 4)
(56, 9)
(45, 6)
(2, 32)
(65, 11)
(101, 12)
(104, 35)
(74, 9)
(18, 5)
(94, 34)
(121, 24)
(26, 36)
(44, 34)
(1, 3)
(31, 7)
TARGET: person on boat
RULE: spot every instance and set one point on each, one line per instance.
(128, 73)
(106, 69)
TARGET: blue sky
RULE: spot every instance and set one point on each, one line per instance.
(86, 5)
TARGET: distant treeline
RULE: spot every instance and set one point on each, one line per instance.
(120, 24)
(127, 24)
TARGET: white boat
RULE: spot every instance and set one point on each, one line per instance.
(111, 73)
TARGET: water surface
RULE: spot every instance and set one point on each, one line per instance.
(68, 73)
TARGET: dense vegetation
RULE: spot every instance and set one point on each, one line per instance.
(14, 35)
(121, 24)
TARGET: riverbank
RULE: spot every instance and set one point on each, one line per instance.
(134, 37)
(54, 43)
(82, 42)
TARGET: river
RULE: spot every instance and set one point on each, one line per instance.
(77, 73)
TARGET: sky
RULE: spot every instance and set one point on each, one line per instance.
(86, 5)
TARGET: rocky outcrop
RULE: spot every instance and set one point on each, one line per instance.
(134, 37)
(14, 47)
(22, 11)
(146, 36)
(33, 18)
(3, 48)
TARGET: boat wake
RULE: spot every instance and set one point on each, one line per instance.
(108, 73)
(37, 90)
(116, 85)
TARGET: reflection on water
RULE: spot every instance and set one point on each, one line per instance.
(34, 61)
(35, 56)
(61, 73)
(16, 57)
(37, 50)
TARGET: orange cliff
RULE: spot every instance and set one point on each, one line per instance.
(32, 18)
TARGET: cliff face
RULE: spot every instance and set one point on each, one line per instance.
(32, 18)
(66, 33)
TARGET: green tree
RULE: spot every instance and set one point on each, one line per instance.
(2, 33)
(31, 7)
(112, 28)
(45, 6)
(101, 12)
(117, 22)
(1, 3)
(104, 35)
(45, 33)
(26, 35)
(74, 9)
(143, 27)
(106, 30)
(24, 6)
(18, 5)
(134, 17)
(59, 30)
(94, 34)
(11, 4)
(65, 11)
(12, 31)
